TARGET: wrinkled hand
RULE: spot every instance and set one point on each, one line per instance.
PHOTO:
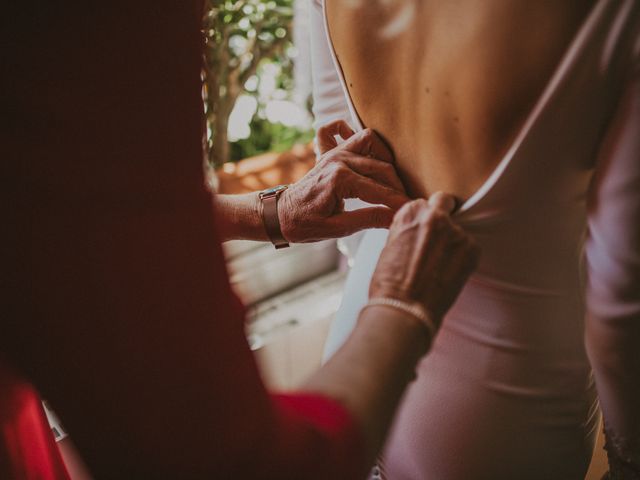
(362, 167)
(427, 259)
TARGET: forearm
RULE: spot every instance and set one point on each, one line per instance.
(240, 217)
(369, 374)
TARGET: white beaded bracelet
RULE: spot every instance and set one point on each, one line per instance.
(414, 310)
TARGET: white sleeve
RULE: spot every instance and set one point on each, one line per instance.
(329, 101)
(59, 433)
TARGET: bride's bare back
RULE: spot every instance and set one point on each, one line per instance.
(449, 83)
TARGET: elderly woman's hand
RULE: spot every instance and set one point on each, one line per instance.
(362, 167)
(427, 258)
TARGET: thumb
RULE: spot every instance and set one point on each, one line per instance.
(442, 201)
(353, 221)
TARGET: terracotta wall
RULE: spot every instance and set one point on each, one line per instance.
(265, 171)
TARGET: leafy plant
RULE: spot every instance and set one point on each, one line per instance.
(241, 36)
(268, 137)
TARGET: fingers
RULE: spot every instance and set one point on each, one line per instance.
(442, 201)
(326, 136)
(354, 185)
(454, 251)
(365, 153)
(382, 172)
(427, 258)
(368, 143)
(409, 212)
(351, 222)
(461, 262)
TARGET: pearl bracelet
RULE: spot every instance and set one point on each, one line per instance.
(414, 310)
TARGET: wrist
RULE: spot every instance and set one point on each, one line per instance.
(241, 217)
(390, 288)
(396, 325)
(284, 214)
(414, 309)
(271, 206)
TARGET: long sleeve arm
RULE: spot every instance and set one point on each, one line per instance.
(138, 342)
(118, 307)
(613, 259)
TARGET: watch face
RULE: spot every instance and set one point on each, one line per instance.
(273, 190)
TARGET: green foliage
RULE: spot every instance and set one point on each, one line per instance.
(241, 36)
(268, 137)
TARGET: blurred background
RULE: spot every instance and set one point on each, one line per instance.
(257, 91)
(257, 78)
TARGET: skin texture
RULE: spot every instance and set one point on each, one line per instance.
(362, 167)
(463, 75)
(312, 209)
(427, 258)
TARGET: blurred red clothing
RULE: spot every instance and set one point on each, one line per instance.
(27, 449)
(118, 308)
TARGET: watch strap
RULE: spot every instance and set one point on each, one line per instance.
(270, 218)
